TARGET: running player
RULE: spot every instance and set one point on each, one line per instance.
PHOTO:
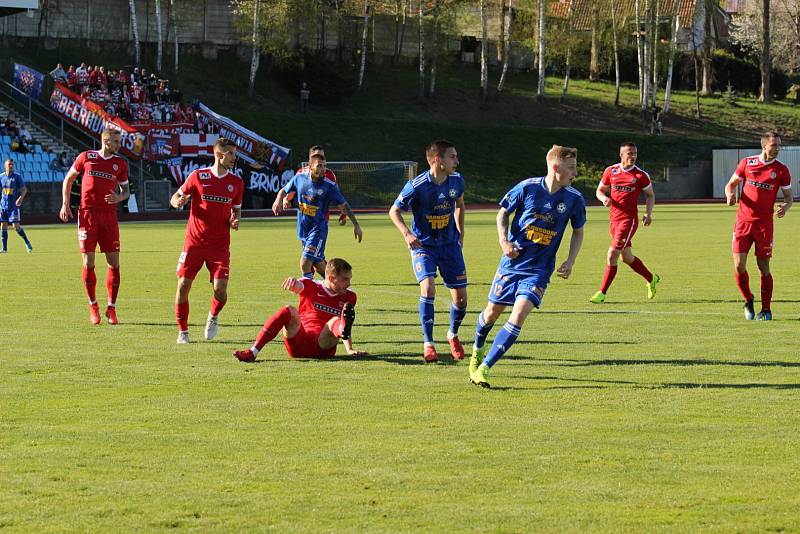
(315, 195)
(216, 207)
(324, 315)
(13, 195)
(760, 176)
(102, 171)
(543, 206)
(436, 200)
(626, 182)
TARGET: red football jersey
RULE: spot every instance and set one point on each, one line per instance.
(761, 181)
(318, 304)
(213, 198)
(626, 185)
(100, 178)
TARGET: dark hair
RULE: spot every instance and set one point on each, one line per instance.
(316, 157)
(223, 143)
(337, 266)
(628, 143)
(766, 136)
(316, 148)
(438, 148)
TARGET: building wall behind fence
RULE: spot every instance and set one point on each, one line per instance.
(211, 23)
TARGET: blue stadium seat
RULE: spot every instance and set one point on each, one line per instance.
(37, 149)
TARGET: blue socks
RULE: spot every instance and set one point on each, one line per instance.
(5, 239)
(504, 340)
(482, 331)
(309, 276)
(456, 316)
(426, 318)
(24, 237)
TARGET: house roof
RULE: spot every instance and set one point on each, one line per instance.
(582, 11)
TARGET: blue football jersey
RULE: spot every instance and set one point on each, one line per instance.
(539, 222)
(313, 201)
(433, 207)
(12, 187)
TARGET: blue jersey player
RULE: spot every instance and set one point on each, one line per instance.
(13, 195)
(542, 208)
(436, 200)
(315, 196)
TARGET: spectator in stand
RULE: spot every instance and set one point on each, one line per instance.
(93, 82)
(102, 77)
(122, 78)
(137, 95)
(59, 74)
(24, 134)
(136, 76)
(152, 84)
(83, 77)
(11, 126)
(72, 78)
(18, 144)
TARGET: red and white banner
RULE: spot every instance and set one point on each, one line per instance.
(163, 128)
(195, 145)
(93, 119)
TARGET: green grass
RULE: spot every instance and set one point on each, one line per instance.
(666, 415)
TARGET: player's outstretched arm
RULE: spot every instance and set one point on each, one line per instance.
(352, 216)
(575, 243)
(397, 218)
(787, 202)
(348, 346)
(66, 188)
(292, 284)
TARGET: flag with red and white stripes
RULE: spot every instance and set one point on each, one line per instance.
(198, 144)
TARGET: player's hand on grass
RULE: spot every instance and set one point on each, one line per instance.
(66, 213)
(411, 240)
(509, 249)
(565, 270)
(647, 219)
(354, 352)
(357, 232)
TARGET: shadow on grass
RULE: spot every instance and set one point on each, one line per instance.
(590, 363)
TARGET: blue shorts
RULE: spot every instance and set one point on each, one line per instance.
(10, 215)
(314, 245)
(508, 287)
(448, 259)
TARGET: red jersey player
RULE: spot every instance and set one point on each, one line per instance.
(760, 176)
(103, 171)
(325, 314)
(216, 207)
(626, 182)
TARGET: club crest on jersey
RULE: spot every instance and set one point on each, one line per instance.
(320, 192)
(452, 193)
(772, 175)
(115, 167)
(561, 208)
(204, 175)
(230, 188)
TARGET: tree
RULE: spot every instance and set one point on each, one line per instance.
(542, 15)
(484, 50)
(708, 40)
(403, 7)
(654, 68)
(616, 51)
(174, 30)
(135, 31)
(256, 54)
(672, 45)
(421, 90)
(568, 53)
(594, 57)
(364, 34)
(507, 15)
(639, 51)
(159, 38)
(765, 96)
(435, 48)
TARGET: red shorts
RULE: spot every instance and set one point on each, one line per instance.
(622, 232)
(747, 233)
(217, 260)
(98, 227)
(306, 345)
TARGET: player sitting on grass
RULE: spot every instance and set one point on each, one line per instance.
(325, 315)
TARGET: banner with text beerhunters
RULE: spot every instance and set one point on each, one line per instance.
(93, 119)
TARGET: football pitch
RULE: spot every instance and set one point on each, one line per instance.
(674, 414)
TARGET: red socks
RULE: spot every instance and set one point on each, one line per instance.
(216, 306)
(182, 315)
(112, 284)
(743, 282)
(640, 269)
(272, 327)
(90, 282)
(608, 277)
(766, 292)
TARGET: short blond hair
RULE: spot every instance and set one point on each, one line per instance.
(110, 131)
(560, 153)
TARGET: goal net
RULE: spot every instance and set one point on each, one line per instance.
(372, 183)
